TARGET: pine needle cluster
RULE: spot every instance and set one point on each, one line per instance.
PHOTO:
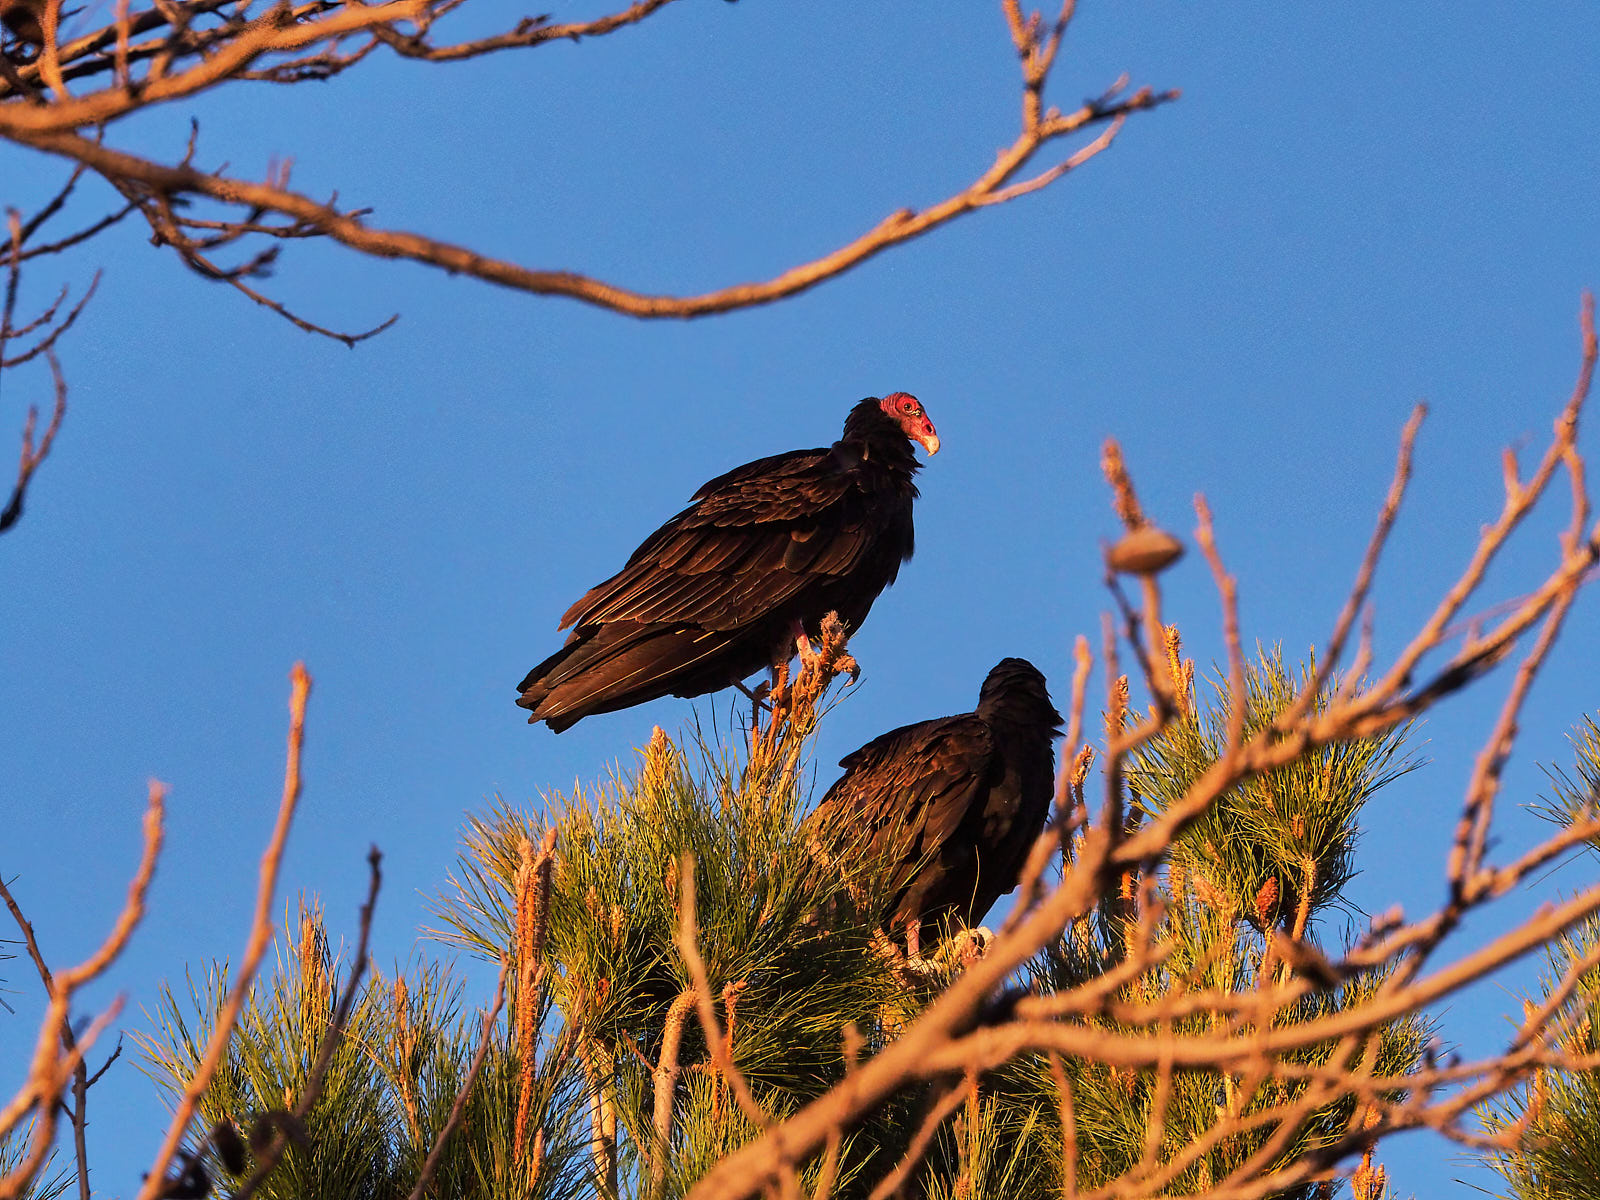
(49, 1182)
(1281, 845)
(388, 1089)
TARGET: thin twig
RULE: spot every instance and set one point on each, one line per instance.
(664, 1083)
(34, 454)
(1069, 1129)
(687, 940)
(893, 1184)
(260, 937)
(69, 1044)
(50, 1068)
(331, 1037)
(458, 1107)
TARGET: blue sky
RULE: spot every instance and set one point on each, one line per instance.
(1351, 208)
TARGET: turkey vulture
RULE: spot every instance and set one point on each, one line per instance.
(728, 585)
(948, 807)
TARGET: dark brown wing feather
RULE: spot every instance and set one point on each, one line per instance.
(753, 539)
(948, 810)
(903, 806)
(709, 597)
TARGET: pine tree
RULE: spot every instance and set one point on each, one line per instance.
(389, 1088)
(612, 1070)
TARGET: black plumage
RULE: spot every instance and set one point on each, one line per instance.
(762, 555)
(948, 809)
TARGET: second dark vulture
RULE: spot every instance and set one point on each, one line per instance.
(948, 808)
(728, 585)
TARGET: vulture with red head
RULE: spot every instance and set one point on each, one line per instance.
(948, 809)
(727, 586)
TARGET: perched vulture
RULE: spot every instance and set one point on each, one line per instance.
(728, 585)
(949, 808)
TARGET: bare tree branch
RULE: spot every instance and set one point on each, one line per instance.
(35, 453)
(230, 48)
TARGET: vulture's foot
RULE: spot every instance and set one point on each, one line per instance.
(802, 643)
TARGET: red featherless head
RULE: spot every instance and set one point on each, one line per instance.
(913, 418)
